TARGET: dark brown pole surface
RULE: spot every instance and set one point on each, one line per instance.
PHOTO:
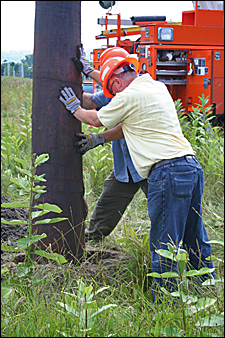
(57, 34)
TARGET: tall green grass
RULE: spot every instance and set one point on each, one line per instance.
(16, 108)
(59, 299)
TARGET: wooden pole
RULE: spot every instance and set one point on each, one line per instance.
(57, 34)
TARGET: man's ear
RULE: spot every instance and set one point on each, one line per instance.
(119, 82)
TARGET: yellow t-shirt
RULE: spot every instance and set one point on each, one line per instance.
(149, 122)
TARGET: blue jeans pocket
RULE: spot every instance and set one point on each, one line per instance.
(183, 183)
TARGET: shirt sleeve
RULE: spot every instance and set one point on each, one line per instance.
(100, 99)
(113, 113)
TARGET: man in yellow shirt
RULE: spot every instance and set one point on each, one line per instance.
(160, 153)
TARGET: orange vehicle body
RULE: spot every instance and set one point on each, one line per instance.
(190, 62)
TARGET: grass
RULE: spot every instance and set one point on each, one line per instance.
(120, 264)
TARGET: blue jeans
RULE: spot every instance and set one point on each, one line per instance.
(174, 206)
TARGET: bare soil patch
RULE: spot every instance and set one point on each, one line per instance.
(101, 260)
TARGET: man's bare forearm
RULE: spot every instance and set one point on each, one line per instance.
(113, 134)
(87, 102)
(90, 117)
(95, 75)
(87, 117)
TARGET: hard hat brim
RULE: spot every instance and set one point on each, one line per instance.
(124, 61)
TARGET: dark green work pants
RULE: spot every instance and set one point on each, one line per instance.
(111, 205)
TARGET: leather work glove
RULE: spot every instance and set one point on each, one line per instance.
(70, 100)
(88, 142)
(81, 63)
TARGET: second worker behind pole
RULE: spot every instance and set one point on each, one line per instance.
(124, 181)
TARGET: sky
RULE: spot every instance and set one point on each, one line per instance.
(17, 20)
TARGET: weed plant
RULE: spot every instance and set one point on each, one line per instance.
(108, 297)
(16, 107)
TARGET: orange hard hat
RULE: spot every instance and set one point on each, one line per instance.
(112, 52)
(111, 65)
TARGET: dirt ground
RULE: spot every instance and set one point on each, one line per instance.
(11, 233)
(100, 258)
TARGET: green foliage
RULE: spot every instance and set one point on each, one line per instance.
(28, 59)
(15, 141)
(206, 139)
(49, 300)
(191, 305)
(29, 185)
(23, 275)
(25, 122)
(97, 164)
(16, 67)
(14, 93)
(138, 247)
(83, 309)
(15, 130)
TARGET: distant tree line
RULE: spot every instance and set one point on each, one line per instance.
(19, 69)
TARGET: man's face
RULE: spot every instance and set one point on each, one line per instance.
(117, 84)
(114, 81)
(111, 83)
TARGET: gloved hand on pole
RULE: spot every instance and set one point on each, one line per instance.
(88, 142)
(81, 63)
(69, 99)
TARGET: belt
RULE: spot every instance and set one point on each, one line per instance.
(164, 162)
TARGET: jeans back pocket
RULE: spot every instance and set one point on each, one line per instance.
(183, 183)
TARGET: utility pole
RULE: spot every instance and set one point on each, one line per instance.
(57, 34)
(22, 70)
